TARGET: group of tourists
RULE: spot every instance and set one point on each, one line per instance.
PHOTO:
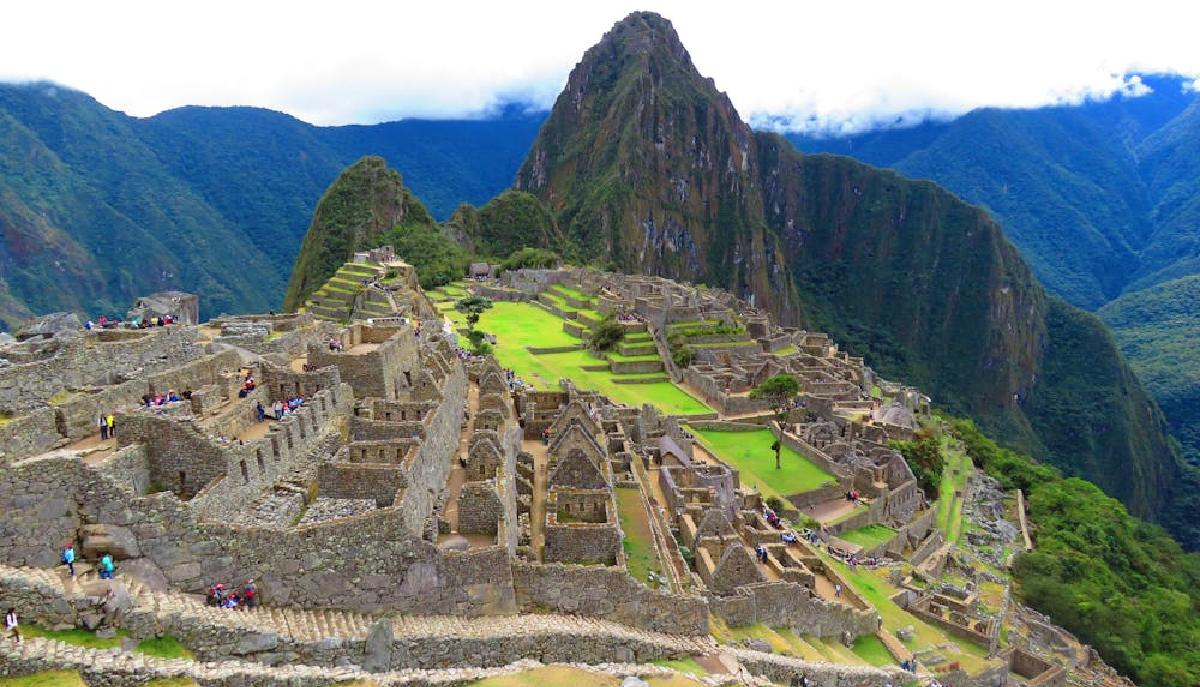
(854, 496)
(103, 322)
(760, 553)
(221, 598)
(108, 425)
(248, 385)
(159, 400)
(335, 344)
(282, 409)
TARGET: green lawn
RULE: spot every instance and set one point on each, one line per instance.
(750, 453)
(573, 292)
(786, 350)
(868, 537)
(683, 665)
(520, 325)
(871, 649)
(47, 678)
(640, 556)
(160, 647)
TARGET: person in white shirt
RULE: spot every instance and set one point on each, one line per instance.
(10, 624)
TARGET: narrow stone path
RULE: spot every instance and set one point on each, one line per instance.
(458, 475)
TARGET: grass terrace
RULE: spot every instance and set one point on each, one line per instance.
(751, 454)
(949, 517)
(878, 592)
(868, 537)
(641, 558)
(871, 649)
(519, 326)
(790, 349)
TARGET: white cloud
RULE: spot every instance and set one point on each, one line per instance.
(829, 64)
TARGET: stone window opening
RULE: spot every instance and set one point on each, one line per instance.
(182, 482)
(262, 467)
(245, 473)
(407, 378)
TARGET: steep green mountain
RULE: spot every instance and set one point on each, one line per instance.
(648, 167)
(1084, 191)
(1157, 329)
(91, 217)
(504, 225)
(365, 201)
(97, 207)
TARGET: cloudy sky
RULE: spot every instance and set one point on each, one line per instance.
(839, 63)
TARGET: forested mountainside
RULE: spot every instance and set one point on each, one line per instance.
(97, 207)
(364, 202)
(1102, 199)
(1157, 329)
(648, 168)
(1099, 197)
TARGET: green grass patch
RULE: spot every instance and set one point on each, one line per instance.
(954, 480)
(728, 344)
(84, 638)
(871, 649)
(786, 350)
(46, 678)
(868, 537)
(617, 357)
(683, 665)
(640, 557)
(163, 647)
(572, 292)
(878, 592)
(751, 454)
(521, 325)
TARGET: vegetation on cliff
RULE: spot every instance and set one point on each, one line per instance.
(648, 168)
(1119, 583)
(97, 207)
(365, 201)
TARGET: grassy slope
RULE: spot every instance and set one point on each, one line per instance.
(751, 454)
(520, 325)
(868, 537)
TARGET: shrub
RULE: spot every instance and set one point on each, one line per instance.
(606, 335)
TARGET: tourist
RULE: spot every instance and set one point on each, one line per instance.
(837, 589)
(248, 594)
(261, 411)
(103, 320)
(111, 421)
(216, 595)
(187, 392)
(88, 325)
(68, 557)
(10, 624)
(103, 424)
(106, 567)
(278, 407)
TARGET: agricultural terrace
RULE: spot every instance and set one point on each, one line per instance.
(869, 536)
(952, 489)
(520, 326)
(750, 453)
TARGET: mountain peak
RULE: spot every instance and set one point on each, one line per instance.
(642, 33)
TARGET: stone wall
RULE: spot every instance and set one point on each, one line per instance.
(608, 593)
(480, 509)
(28, 434)
(96, 358)
(379, 373)
(785, 672)
(379, 483)
(791, 605)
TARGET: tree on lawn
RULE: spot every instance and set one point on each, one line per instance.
(474, 306)
(779, 392)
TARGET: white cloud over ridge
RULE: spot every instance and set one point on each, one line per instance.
(817, 65)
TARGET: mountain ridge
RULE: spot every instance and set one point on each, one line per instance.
(647, 164)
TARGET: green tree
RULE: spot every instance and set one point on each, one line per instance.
(779, 392)
(474, 306)
(606, 334)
